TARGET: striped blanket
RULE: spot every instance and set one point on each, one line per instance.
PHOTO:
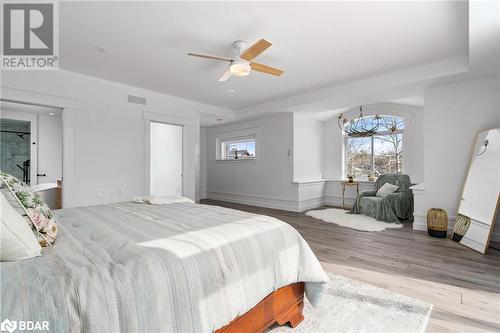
(131, 267)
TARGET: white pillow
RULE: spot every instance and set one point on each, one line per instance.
(17, 240)
(162, 200)
(386, 189)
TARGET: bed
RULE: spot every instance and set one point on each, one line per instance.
(183, 267)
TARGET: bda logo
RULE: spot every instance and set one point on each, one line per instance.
(8, 325)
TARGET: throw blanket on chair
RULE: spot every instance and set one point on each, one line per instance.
(391, 207)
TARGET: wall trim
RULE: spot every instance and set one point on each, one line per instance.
(69, 108)
(254, 200)
(35, 98)
(301, 183)
(311, 203)
(420, 222)
(336, 201)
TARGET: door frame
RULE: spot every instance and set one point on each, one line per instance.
(188, 125)
(148, 152)
(69, 107)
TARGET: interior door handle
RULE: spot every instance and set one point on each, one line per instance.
(41, 175)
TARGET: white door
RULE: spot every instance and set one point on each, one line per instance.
(49, 147)
(166, 159)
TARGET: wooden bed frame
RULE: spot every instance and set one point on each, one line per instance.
(282, 306)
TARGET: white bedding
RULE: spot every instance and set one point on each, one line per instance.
(157, 268)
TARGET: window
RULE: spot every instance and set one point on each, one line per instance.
(241, 149)
(240, 145)
(376, 155)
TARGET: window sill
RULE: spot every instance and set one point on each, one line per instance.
(246, 160)
(361, 181)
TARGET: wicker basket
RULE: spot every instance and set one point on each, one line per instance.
(437, 222)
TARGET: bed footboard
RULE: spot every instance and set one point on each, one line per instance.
(283, 306)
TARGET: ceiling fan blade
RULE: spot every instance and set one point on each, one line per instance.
(208, 56)
(253, 51)
(225, 76)
(266, 69)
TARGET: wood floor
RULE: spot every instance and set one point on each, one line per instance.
(463, 285)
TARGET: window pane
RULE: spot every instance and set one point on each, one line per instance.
(239, 150)
(388, 124)
(358, 157)
(388, 155)
(361, 123)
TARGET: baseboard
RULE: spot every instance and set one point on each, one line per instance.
(420, 222)
(203, 195)
(311, 204)
(334, 200)
(254, 200)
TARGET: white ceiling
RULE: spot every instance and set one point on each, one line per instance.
(317, 44)
(412, 100)
(408, 101)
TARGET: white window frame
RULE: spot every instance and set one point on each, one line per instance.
(233, 137)
(372, 159)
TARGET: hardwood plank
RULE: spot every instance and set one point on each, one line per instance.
(463, 285)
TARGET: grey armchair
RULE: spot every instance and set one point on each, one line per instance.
(393, 206)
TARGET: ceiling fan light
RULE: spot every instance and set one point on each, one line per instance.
(240, 68)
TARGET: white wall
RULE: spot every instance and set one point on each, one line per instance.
(266, 181)
(413, 154)
(312, 176)
(49, 148)
(454, 114)
(108, 145)
(307, 147)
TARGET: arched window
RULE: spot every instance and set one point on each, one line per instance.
(377, 154)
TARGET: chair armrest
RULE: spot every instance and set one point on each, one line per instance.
(369, 193)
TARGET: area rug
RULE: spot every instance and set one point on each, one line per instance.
(354, 221)
(353, 306)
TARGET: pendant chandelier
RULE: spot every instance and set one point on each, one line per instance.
(359, 127)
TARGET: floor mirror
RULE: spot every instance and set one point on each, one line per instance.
(480, 199)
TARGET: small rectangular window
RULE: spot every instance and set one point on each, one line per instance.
(238, 149)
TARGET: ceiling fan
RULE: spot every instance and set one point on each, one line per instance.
(242, 63)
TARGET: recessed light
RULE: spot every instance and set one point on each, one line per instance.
(351, 53)
(99, 49)
(51, 113)
(231, 91)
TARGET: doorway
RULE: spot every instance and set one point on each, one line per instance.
(31, 147)
(15, 139)
(166, 159)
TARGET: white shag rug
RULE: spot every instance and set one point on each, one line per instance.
(354, 221)
(353, 306)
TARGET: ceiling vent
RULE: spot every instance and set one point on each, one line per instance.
(136, 99)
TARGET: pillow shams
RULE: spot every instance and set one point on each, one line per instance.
(17, 240)
(386, 189)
